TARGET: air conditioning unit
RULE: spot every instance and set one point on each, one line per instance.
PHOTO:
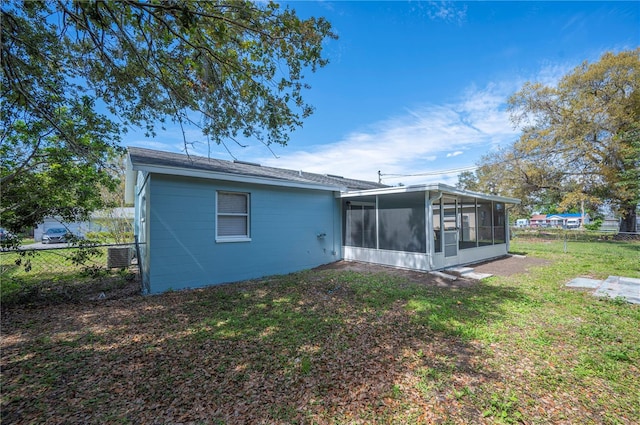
(118, 257)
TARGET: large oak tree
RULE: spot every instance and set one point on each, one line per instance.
(580, 141)
(75, 75)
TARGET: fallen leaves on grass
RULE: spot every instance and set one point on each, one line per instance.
(306, 348)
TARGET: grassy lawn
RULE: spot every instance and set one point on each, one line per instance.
(338, 347)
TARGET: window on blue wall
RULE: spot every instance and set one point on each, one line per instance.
(232, 214)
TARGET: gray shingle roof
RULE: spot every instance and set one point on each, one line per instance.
(149, 157)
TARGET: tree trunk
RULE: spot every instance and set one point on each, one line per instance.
(629, 221)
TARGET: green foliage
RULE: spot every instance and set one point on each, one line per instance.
(503, 409)
(467, 180)
(44, 175)
(579, 143)
(110, 237)
(559, 234)
(594, 225)
(232, 69)
(239, 64)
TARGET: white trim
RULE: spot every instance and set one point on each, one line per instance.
(439, 187)
(234, 238)
(399, 259)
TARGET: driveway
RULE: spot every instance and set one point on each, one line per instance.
(40, 245)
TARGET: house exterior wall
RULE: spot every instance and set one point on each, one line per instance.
(290, 229)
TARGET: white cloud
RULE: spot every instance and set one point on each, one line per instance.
(420, 141)
(425, 139)
(550, 74)
(447, 11)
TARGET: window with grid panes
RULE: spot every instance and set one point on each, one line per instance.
(232, 216)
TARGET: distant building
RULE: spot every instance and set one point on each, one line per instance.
(610, 224)
(565, 220)
(538, 220)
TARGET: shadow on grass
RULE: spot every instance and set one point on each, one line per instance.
(634, 247)
(518, 253)
(312, 346)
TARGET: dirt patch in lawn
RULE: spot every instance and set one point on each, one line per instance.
(505, 266)
(411, 275)
(510, 265)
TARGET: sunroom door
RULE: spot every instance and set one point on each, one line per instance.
(451, 227)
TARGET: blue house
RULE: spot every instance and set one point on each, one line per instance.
(567, 220)
(202, 221)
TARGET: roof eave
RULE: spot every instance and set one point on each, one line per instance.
(440, 187)
(242, 178)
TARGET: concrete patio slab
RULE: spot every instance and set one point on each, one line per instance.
(613, 287)
(584, 282)
(476, 275)
(459, 270)
(443, 275)
(618, 286)
(468, 272)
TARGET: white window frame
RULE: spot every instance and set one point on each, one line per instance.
(247, 214)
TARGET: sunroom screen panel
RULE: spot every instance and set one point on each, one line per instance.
(401, 219)
(360, 226)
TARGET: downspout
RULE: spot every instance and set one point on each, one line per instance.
(334, 230)
(430, 229)
(139, 260)
(377, 223)
(507, 227)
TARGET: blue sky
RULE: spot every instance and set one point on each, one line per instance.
(421, 87)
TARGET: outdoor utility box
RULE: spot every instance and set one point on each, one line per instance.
(118, 257)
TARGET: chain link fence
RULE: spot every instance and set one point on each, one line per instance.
(68, 273)
(572, 234)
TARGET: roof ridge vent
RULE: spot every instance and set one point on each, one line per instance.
(334, 176)
(255, 164)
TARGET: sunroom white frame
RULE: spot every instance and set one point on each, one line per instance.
(430, 259)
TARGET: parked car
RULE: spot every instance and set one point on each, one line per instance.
(573, 223)
(55, 235)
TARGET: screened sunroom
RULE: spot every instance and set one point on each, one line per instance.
(426, 227)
